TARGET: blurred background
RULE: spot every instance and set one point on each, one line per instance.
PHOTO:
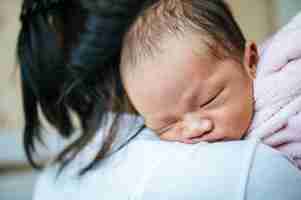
(258, 19)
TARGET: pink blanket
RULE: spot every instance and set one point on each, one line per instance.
(277, 90)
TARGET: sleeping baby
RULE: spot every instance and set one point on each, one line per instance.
(189, 71)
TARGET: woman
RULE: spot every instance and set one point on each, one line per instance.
(69, 54)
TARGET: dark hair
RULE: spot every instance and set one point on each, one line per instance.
(69, 57)
(70, 53)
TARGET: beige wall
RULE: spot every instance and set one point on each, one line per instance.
(254, 16)
(10, 103)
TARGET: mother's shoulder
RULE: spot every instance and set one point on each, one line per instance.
(151, 145)
(235, 169)
(231, 153)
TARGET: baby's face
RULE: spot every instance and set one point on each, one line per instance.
(191, 96)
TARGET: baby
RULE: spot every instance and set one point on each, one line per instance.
(188, 70)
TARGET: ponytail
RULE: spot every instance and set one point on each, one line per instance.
(69, 56)
(42, 71)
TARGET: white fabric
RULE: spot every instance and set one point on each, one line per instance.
(277, 87)
(277, 91)
(148, 168)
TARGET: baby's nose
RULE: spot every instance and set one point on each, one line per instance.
(195, 127)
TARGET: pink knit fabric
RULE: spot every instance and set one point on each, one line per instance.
(277, 91)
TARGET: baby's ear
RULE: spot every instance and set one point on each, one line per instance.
(251, 59)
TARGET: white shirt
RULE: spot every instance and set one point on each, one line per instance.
(150, 169)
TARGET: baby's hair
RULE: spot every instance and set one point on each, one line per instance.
(70, 55)
(211, 20)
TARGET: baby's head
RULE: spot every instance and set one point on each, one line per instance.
(188, 70)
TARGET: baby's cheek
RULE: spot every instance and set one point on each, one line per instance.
(231, 123)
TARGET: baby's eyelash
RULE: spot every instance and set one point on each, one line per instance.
(209, 101)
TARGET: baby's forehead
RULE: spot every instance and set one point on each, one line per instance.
(178, 54)
(172, 48)
(168, 74)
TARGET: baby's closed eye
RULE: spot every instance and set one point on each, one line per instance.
(213, 99)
